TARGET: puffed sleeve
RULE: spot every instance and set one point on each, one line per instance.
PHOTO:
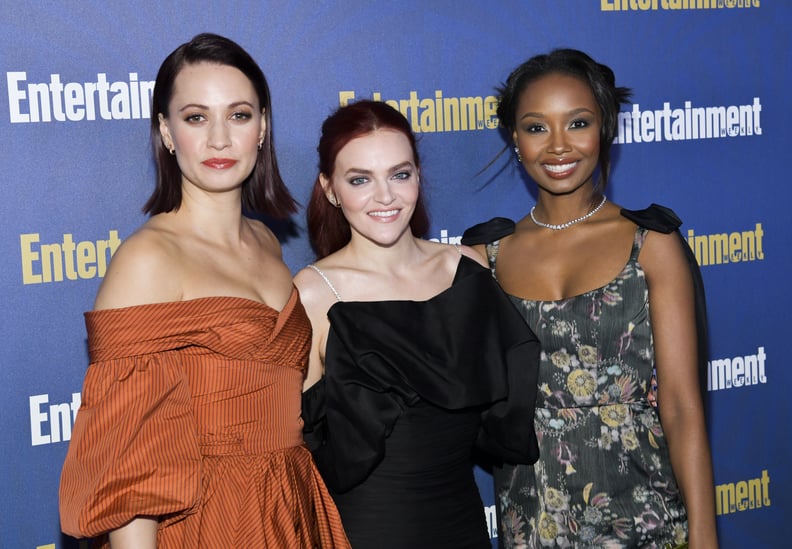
(489, 231)
(352, 409)
(134, 449)
(507, 428)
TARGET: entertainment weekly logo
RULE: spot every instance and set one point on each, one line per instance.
(52, 422)
(58, 100)
(675, 5)
(688, 122)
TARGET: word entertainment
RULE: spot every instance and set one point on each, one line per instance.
(734, 497)
(438, 113)
(735, 247)
(656, 5)
(689, 122)
(74, 260)
(60, 101)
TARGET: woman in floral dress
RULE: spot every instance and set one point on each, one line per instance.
(611, 295)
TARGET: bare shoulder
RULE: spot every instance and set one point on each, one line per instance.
(662, 255)
(315, 294)
(307, 281)
(266, 237)
(440, 264)
(477, 253)
(144, 269)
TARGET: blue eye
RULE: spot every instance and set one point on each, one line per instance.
(357, 181)
(402, 175)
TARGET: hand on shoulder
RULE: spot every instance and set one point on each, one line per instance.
(145, 269)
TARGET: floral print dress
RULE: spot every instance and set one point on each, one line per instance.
(604, 475)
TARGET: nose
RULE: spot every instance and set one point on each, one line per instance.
(383, 193)
(558, 142)
(219, 135)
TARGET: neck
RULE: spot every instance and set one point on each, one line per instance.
(396, 258)
(216, 217)
(558, 209)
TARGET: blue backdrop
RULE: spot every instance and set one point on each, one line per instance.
(706, 135)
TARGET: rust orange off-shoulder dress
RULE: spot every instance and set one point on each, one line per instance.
(191, 413)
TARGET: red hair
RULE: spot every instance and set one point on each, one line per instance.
(328, 229)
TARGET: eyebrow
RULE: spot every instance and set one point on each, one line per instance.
(205, 107)
(397, 167)
(573, 112)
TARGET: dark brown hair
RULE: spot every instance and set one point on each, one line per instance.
(264, 191)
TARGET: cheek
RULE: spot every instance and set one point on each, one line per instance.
(588, 144)
(250, 137)
(529, 148)
(411, 192)
(352, 199)
(593, 147)
(185, 140)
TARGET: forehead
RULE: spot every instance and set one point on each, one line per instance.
(380, 148)
(212, 83)
(557, 90)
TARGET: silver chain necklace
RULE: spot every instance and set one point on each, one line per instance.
(568, 223)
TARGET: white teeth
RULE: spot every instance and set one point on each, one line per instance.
(384, 214)
(558, 168)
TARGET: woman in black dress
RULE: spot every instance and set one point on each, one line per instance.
(415, 348)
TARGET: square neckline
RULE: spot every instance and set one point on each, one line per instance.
(640, 233)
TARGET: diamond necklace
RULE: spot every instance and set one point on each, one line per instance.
(568, 223)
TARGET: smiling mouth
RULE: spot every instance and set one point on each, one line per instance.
(388, 213)
(559, 168)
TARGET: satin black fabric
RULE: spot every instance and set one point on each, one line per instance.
(409, 389)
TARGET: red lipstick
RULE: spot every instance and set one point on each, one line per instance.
(219, 163)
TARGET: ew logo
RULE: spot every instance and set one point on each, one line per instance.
(445, 239)
(57, 419)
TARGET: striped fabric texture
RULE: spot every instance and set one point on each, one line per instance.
(191, 413)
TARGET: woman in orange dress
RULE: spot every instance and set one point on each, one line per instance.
(189, 434)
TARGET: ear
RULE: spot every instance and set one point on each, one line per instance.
(324, 181)
(514, 137)
(165, 132)
(330, 194)
(263, 125)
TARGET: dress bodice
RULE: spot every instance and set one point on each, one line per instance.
(409, 389)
